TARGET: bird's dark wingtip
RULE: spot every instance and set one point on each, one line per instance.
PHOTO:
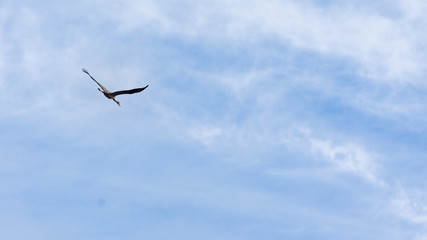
(85, 71)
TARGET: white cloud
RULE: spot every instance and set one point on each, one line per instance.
(401, 103)
(410, 205)
(384, 47)
(348, 158)
(342, 157)
(205, 134)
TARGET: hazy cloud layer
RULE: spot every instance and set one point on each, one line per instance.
(275, 119)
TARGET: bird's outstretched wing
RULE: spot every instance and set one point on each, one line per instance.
(85, 71)
(131, 91)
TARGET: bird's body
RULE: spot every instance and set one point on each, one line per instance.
(112, 95)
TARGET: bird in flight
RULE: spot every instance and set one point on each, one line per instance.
(112, 95)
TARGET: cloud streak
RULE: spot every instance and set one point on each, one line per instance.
(381, 45)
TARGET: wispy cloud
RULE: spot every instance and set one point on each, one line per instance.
(348, 158)
(379, 49)
(383, 46)
(306, 90)
(410, 205)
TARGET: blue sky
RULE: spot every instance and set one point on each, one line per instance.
(263, 120)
